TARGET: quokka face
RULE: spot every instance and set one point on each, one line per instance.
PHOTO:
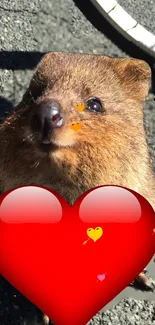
(103, 98)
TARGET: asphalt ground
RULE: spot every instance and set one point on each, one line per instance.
(39, 26)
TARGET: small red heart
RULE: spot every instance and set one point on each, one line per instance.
(55, 254)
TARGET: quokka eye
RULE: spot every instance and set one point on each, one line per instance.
(94, 104)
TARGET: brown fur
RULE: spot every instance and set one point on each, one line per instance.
(110, 148)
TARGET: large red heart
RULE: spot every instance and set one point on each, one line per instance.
(45, 252)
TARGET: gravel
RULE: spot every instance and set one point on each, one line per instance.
(130, 316)
(36, 26)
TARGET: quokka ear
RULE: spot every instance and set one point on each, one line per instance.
(135, 76)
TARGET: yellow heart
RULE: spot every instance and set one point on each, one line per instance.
(95, 234)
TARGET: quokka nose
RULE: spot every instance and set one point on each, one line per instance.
(46, 117)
